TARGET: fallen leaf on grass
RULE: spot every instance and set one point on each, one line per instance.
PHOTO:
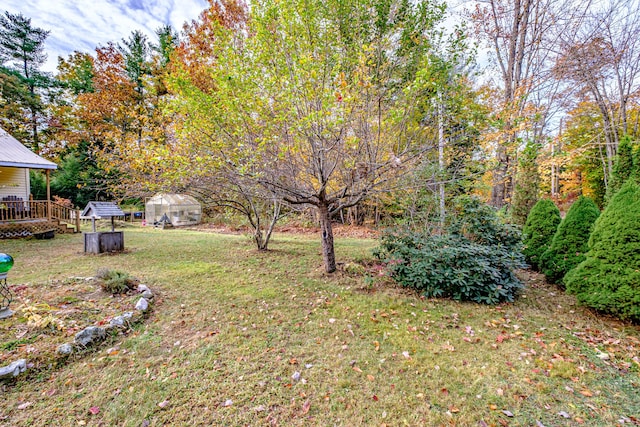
(163, 404)
(586, 393)
(448, 347)
(305, 407)
(227, 402)
(25, 405)
(94, 410)
(507, 413)
(563, 414)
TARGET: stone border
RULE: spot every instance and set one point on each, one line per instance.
(91, 335)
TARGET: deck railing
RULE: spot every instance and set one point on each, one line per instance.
(31, 210)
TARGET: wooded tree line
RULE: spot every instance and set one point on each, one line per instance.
(361, 110)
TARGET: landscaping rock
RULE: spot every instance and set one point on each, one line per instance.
(147, 294)
(142, 305)
(90, 335)
(118, 321)
(14, 369)
(142, 288)
(65, 349)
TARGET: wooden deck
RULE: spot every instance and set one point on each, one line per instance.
(35, 217)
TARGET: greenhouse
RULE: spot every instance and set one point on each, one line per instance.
(173, 209)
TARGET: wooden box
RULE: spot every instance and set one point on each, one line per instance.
(103, 241)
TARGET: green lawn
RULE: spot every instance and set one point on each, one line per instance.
(233, 327)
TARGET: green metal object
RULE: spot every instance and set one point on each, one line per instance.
(6, 262)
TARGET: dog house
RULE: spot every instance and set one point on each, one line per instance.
(174, 209)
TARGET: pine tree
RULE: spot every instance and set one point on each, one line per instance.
(21, 55)
(608, 280)
(570, 243)
(538, 231)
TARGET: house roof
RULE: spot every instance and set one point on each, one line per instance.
(14, 154)
(101, 210)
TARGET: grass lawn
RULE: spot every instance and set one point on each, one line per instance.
(239, 338)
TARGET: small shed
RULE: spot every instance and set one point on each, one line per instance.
(179, 209)
(103, 241)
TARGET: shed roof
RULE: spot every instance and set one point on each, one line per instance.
(14, 154)
(173, 199)
(101, 210)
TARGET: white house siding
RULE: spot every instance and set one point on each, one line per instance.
(14, 182)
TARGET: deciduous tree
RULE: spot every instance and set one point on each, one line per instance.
(315, 101)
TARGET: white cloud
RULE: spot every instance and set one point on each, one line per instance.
(84, 25)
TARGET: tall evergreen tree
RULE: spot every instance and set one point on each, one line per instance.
(570, 243)
(22, 54)
(608, 280)
(538, 231)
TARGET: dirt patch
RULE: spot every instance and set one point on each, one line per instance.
(49, 314)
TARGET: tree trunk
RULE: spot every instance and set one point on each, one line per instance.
(328, 252)
(441, 143)
(499, 184)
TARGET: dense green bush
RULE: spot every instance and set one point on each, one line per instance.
(570, 243)
(479, 223)
(608, 280)
(114, 281)
(538, 231)
(474, 261)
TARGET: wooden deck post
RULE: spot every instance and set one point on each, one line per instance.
(48, 196)
(77, 220)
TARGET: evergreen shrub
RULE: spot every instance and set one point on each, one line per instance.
(473, 261)
(608, 280)
(114, 281)
(538, 231)
(570, 243)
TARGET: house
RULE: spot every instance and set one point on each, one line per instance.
(19, 215)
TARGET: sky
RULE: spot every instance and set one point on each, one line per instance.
(83, 25)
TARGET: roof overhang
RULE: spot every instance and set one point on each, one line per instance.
(28, 165)
(14, 154)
